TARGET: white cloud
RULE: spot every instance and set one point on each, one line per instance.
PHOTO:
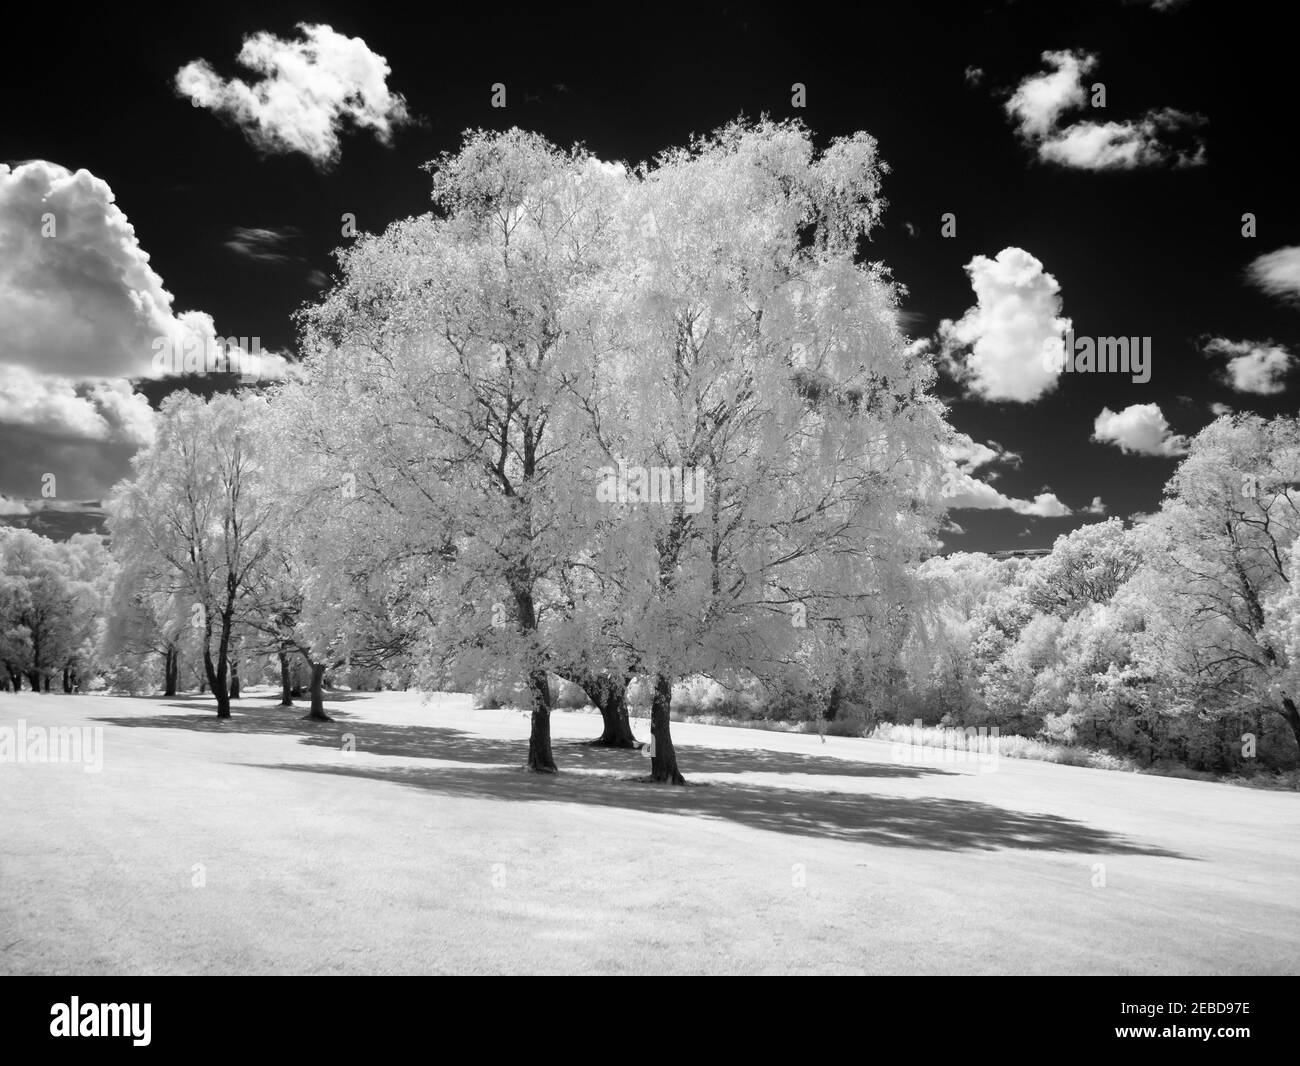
(1013, 336)
(1253, 367)
(968, 453)
(1044, 505)
(84, 302)
(12, 507)
(308, 90)
(82, 312)
(1041, 101)
(1278, 273)
(1124, 145)
(1140, 429)
(1096, 507)
(127, 412)
(47, 403)
(973, 75)
(1220, 409)
(964, 491)
(55, 407)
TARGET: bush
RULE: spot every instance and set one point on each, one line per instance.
(566, 695)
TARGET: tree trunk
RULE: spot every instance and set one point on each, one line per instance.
(234, 678)
(609, 694)
(67, 680)
(1292, 716)
(46, 680)
(663, 763)
(286, 689)
(540, 758)
(217, 681)
(317, 712)
(832, 704)
(171, 668)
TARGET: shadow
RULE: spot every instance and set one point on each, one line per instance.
(243, 719)
(204, 702)
(455, 745)
(491, 768)
(928, 822)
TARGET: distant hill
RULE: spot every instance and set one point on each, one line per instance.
(60, 519)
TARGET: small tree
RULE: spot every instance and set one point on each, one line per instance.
(193, 503)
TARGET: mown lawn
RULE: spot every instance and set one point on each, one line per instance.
(427, 850)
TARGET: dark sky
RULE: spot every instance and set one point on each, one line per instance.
(1154, 251)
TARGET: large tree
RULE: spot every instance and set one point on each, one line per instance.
(748, 356)
(435, 371)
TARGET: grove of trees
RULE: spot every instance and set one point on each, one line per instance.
(635, 427)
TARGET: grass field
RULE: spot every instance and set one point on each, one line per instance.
(428, 850)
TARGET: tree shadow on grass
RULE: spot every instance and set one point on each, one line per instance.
(455, 745)
(203, 701)
(861, 818)
(491, 768)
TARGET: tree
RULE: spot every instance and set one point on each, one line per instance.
(745, 356)
(438, 364)
(192, 510)
(1087, 566)
(1222, 543)
(144, 619)
(50, 606)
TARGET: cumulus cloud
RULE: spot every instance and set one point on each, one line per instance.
(1141, 142)
(78, 296)
(12, 507)
(1010, 345)
(308, 90)
(970, 455)
(56, 407)
(1278, 273)
(1258, 368)
(973, 75)
(1140, 429)
(48, 404)
(1041, 101)
(964, 491)
(1044, 505)
(1220, 409)
(83, 301)
(82, 315)
(127, 412)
